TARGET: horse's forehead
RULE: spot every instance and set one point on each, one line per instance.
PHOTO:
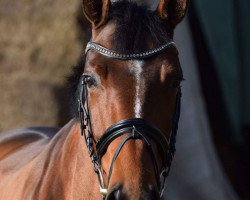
(137, 65)
(148, 71)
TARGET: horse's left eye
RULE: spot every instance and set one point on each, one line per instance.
(90, 81)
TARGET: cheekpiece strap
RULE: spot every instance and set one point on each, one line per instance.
(112, 54)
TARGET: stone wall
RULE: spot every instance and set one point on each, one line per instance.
(39, 44)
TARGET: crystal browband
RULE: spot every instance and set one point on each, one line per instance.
(112, 54)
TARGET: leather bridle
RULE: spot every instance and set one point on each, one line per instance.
(132, 129)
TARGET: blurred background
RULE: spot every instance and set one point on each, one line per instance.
(221, 31)
(41, 40)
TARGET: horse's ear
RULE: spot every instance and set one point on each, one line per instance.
(172, 11)
(96, 11)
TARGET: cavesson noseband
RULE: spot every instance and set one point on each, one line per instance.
(135, 128)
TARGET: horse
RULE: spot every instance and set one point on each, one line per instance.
(125, 101)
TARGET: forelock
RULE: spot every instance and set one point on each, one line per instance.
(137, 27)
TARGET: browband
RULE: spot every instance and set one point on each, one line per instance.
(112, 54)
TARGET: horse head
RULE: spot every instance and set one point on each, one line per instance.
(129, 95)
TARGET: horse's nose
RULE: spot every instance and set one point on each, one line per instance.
(152, 194)
(116, 194)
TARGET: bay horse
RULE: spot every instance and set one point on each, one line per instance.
(125, 105)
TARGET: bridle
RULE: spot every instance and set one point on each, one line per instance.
(135, 128)
(132, 129)
(112, 54)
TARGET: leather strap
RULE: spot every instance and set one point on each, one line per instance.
(125, 126)
(113, 54)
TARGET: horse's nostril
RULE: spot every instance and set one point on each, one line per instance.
(115, 194)
(154, 195)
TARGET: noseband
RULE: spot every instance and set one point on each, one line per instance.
(132, 129)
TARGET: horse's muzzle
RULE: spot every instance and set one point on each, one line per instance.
(118, 193)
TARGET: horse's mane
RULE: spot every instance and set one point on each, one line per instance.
(136, 28)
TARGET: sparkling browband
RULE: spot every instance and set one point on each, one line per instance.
(112, 54)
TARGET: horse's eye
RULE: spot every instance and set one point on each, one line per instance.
(90, 81)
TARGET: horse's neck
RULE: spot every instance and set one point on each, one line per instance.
(68, 169)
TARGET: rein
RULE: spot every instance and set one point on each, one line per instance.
(135, 128)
